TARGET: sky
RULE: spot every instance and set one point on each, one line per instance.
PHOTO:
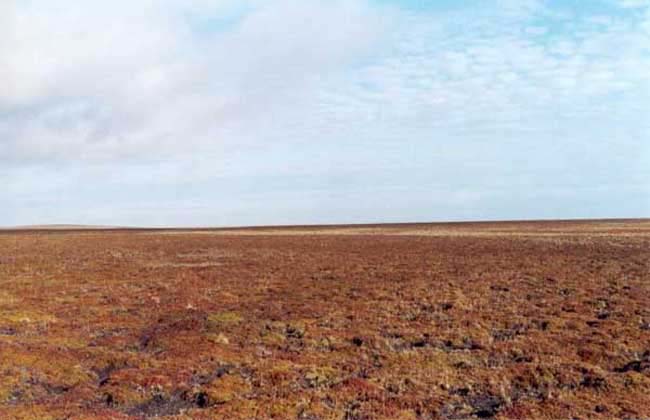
(236, 112)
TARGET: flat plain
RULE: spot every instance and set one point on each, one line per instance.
(507, 320)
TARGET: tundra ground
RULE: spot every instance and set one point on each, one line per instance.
(528, 320)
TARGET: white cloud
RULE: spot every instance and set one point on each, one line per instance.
(109, 81)
(103, 81)
(634, 4)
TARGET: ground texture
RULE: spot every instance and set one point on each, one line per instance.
(528, 320)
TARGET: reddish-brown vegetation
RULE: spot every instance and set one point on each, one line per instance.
(494, 320)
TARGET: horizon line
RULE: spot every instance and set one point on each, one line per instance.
(62, 227)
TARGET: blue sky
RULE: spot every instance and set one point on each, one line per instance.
(223, 112)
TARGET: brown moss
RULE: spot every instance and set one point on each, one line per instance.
(223, 320)
(321, 376)
(227, 389)
(534, 320)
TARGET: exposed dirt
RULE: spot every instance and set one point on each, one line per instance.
(491, 320)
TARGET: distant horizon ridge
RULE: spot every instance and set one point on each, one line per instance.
(76, 226)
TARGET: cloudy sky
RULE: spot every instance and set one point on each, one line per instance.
(234, 112)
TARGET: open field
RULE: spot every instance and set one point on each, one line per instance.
(512, 320)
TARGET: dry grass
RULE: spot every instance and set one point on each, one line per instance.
(506, 320)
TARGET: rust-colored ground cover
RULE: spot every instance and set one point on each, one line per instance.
(505, 320)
